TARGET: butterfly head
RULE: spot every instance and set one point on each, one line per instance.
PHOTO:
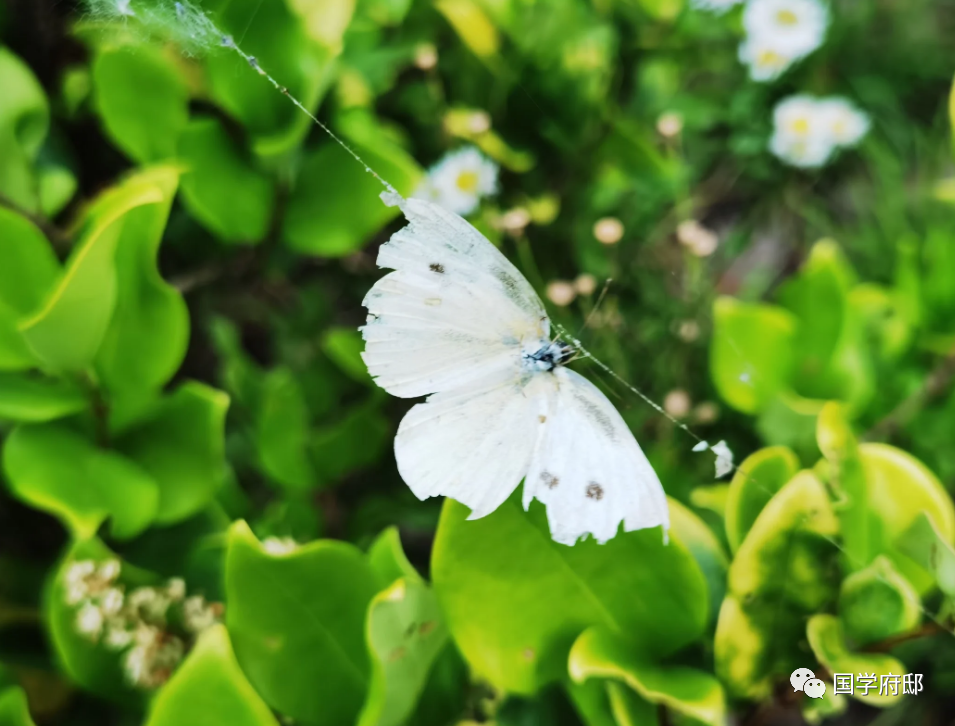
(548, 355)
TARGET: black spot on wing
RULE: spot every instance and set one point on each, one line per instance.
(436, 267)
(550, 481)
(594, 491)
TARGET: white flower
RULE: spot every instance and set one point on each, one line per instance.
(792, 28)
(800, 136)
(197, 615)
(112, 601)
(765, 61)
(719, 6)
(134, 664)
(89, 621)
(845, 123)
(109, 571)
(460, 180)
(117, 636)
(176, 589)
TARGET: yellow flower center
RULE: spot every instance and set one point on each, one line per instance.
(768, 58)
(787, 17)
(800, 126)
(467, 181)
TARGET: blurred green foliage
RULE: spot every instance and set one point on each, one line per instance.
(183, 255)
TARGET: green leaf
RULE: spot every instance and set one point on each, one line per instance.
(500, 580)
(665, 10)
(405, 633)
(280, 42)
(146, 126)
(282, 432)
(628, 708)
(828, 645)
(335, 207)
(599, 653)
(758, 478)
(751, 352)
(28, 272)
(182, 446)
(927, 547)
(325, 21)
(353, 443)
(24, 122)
(473, 26)
(55, 469)
(344, 347)
(298, 624)
(222, 189)
(877, 602)
(67, 332)
(782, 570)
(149, 328)
(783, 555)
(388, 560)
(692, 533)
(209, 689)
(900, 488)
(34, 399)
(846, 476)
(14, 710)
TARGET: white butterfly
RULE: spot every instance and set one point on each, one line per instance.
(455, 319)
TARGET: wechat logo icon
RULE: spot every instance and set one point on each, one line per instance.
(805, 680)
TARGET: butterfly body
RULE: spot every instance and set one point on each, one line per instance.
(456, 321)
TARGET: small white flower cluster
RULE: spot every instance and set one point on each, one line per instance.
(137, 622)
(807, 131)
(779, 33)
(459, 181)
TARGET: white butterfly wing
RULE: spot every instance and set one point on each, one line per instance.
(588, 469)
(454, 309)
(473, 445)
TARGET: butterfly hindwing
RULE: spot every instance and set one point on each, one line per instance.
(588, 468)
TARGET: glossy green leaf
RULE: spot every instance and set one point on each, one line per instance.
(755, 482)
(847, 477)
(24, 122)
(221, 188)
(35, 399)
(751, 352)
(789, 419)
(665, 10)
(827, 641)
(592, 702)
(498, 579)
(782, 570)
(693, 533)
(900, 489)
(796, 528)
(712, 498)
(14, 710)
(55, 469)
(388, 560)
(405, 633)
(876, 603)
(473, 26)
(282, 432)
(279, 41)
(149, 328)
(298, 624)
(182, 446)
(28, 272)
(335, 207)
(325, 21)
(925, 545)
(353, 443)
(209, 689)
(146, 126)
(628, 708)
(67, 332)
(599, 653)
